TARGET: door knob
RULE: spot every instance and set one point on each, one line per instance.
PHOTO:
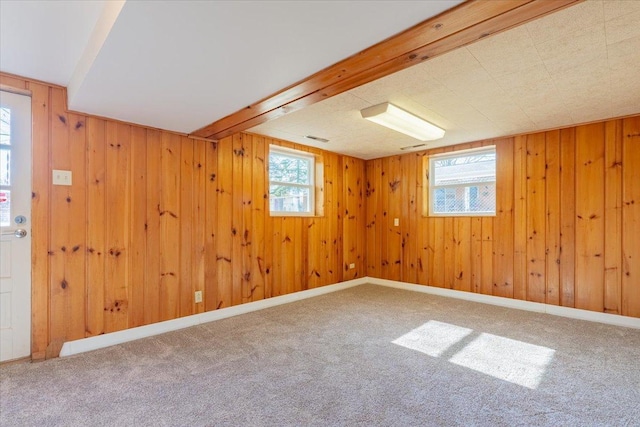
(19, 233)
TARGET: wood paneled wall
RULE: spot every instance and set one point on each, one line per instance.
(153, 216)
(566, 230)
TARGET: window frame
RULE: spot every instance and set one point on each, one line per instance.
(431, 175)
(290, 152)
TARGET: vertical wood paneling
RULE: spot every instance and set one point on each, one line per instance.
(187, 220)
(199, 228)
(361, 262)
(153, 273)
(350, 219)
(75, 268)
(125, 184)
(150, 219)
(117, 203)
(60, 159)
(394, 209)
(613, 217)
(422, 228)
(462, 254)
(96, 211)
(170, 228)
(259, 211)
(237, 212)
(536, 218)
(520, 218)
(247, 236)
(477, 284)
(40, 219)
(68, 240)
(410, 230)
(631, 217)
(211, 189)
(138, 234)
(487, 258)
(386, 221)
(374, 218)
(552, 181)
(503, 227)
(567, 216)
(547, 184)
(589, 285)
(225, 223)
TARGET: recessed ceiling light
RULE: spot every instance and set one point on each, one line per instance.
(316, 138)
(396, 118)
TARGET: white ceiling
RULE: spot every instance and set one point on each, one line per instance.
(44, 40)
(577, 65)
(180, 65)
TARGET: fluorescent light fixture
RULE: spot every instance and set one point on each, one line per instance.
(396, 118)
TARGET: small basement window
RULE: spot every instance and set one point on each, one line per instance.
(291, 182)
(463, 183)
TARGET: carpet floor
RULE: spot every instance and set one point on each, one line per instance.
(365, 356)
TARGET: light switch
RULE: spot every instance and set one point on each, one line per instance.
(396, 222)
(61, 177)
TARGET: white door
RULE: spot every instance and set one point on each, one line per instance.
(15, 226)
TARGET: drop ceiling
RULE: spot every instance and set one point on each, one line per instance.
(574, 66)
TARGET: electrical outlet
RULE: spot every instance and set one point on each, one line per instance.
(396, 222)
(352, 266)
(61, 177)
(198, 296)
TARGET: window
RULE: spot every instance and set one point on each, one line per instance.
(463, 183)
(291, 182)
(5, 167)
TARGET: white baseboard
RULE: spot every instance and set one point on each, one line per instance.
(573, 313)
(106, 340)
(100, 341)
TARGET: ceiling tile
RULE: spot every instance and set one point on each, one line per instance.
(583, 79)
(562, 24)
(458, 65)
(613, 9)
(622, 55)
(517, 44)
(526, 80)
(567, 53)
(623, 27)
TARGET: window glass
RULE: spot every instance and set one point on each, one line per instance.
(5, 126)
(463, 183)
(291, 182)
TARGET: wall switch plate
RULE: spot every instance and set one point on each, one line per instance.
(396, 222)
(198, 296)
(352, 266)
(61, 177)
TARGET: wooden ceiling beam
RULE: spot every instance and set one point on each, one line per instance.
(454, 28)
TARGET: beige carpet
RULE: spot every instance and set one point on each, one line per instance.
(366, 356)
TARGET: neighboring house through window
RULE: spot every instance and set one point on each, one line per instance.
(463, 183)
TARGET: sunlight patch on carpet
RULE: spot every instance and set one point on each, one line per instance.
(433, 338)
(507, 359)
